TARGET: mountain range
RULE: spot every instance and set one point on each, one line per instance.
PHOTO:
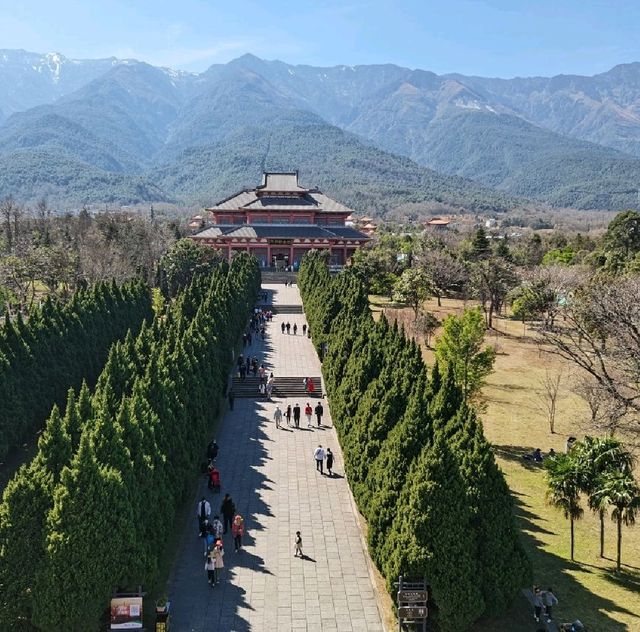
(382, 138)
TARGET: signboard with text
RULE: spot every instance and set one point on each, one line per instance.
(126, 613)
(412, 596)
(412, 612)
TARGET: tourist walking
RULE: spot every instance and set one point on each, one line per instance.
(232, 398)
(304, 329)
(549, 600)
(287, 414)
(238, 531)
(298, 545)
(270, 385)
(212, 450)
(203, 511)
(329, 461)
(209, 541)
(277, 415)
(537, 603)
(288, 326)
(295, 329)
(282, 327)
(210, 567)
(217, 528)
(318, 455)
(296, 415)
(228, 510)
(319, 411)
(308, 411)
(243, 371)
(218, 554)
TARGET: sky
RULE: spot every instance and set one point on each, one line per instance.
(497, 38)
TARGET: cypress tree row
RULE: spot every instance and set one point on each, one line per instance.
(420, 469)
(56, 348)
(83, 518)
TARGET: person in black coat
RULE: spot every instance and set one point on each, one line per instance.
(329, 458)
(228, 511)
(296, 415)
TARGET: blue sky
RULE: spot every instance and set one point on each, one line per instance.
(484, 37)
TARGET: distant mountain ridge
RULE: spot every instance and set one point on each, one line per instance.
(125, 130)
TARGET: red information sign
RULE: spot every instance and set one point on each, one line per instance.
(126, 613)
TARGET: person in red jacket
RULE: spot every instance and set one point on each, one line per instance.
(238, 531)
(308, 411)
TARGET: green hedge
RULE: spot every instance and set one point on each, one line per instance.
(89, 513)
(421, 471)
(56, 348)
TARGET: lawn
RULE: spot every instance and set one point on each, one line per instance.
(587, 589)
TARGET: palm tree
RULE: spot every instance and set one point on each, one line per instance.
(620, 491)
(563, 489)
(596, 456)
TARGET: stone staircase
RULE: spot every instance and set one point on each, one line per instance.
(282, 309)
(277, 276)
(283, 387)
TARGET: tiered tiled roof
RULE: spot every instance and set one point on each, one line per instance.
(280, 191)
(283, 231)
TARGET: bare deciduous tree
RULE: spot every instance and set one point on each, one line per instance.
(606, 414)
(550, 385)
(600, 334)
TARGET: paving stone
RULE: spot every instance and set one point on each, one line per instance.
(270, 473)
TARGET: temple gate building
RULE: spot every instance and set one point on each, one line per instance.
(279, 221)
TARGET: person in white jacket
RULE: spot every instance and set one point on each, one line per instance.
(318, 455)
(203, 511)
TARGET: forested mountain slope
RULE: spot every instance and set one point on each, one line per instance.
(125, 131)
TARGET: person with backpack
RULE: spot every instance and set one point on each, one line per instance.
(203, 511)
(228, 510)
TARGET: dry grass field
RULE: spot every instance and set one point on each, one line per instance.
(515, 424)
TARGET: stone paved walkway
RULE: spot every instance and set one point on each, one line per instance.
(272, 479)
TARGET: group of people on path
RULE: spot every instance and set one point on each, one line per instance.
(288, 327)
(295, 411)
(213, 530)
(543, 603)
(319, 454)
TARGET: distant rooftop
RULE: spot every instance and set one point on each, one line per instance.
(280, 182)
